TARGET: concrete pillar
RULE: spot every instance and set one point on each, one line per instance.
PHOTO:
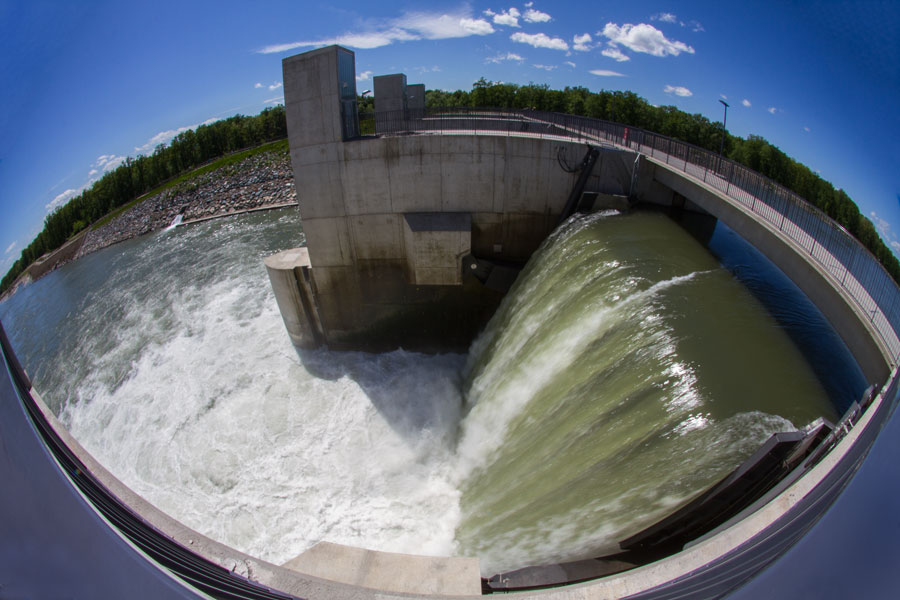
(289, 272)
(435, 245)
(415, 99)
(390, 101)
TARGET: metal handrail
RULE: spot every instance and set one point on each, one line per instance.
(842, 256)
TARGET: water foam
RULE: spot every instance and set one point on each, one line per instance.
(185, 385)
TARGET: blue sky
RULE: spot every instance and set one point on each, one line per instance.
(85, 84)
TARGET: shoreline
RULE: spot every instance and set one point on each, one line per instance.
(260, 182)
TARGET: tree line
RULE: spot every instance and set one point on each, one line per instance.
(137, 176)
(628, 108)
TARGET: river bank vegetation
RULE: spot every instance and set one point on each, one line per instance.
(137, 177)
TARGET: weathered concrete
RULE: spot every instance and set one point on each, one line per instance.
(400, 573)
(380, 284)
(662, 184)
(289, 274)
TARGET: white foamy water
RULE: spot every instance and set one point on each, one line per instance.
(588, 413)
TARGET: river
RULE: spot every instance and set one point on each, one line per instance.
(630, 367)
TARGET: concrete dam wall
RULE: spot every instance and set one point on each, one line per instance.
(389, 221)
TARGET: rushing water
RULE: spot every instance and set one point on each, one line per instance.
(626, 371)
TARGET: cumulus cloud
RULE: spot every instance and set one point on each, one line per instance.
(678, 90)
(510, 18)
(64, 197)
(535, 16)
(539, 40)
(772, 110)
(275, 86)
(10, 247)
(643, 38)
(364, 76)
(545, 67)
(504, 57)
(409, 27)
(884, 228)
(258, 85)
(605, 73)
(582, 43)
(164, 137)
(615, 54)
(108, 162)
(665, 18)
(746, 103)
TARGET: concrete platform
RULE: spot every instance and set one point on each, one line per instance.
(390, 572)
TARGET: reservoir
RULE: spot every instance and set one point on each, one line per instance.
(630, 367)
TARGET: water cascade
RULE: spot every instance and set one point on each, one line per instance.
(624, 373)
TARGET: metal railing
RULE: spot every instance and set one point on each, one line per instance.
(841, 255)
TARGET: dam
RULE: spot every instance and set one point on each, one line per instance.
(676, 279)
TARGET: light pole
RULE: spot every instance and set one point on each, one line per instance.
(724, 120)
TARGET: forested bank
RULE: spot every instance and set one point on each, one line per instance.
(136, 176)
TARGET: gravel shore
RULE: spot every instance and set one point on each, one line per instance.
(257, 182)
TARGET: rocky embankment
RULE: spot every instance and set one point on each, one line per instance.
(256, 182)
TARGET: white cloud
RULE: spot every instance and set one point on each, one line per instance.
(545, 67)
(539, 40)
(665, 18)
(570, 63)
(696, 27)
(746, 103)
(644, 38)
(92, 172)
(806, 129)
(64, 197)
(504, 57)
(108, 162)
(723, 96)
(10, 247)
(582, 43)
(275, 100)
(535, 16)
(678, 90)
(772, 110)
(258, 85)
(409, 27)
(275, 86)
(605, 73)
(884, 228)
(615, 54)
(164, 137)
(364, 76)
(509, 18)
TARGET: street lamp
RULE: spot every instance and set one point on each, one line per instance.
(724, 120)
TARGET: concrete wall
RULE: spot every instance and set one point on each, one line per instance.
(353, 197)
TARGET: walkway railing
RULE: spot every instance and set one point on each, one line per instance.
(841, 255)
